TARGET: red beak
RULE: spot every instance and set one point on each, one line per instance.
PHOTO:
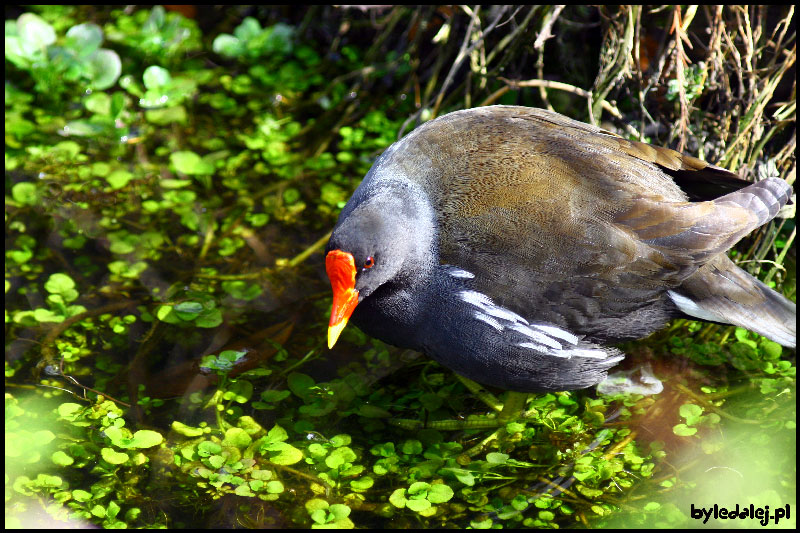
(341, 268)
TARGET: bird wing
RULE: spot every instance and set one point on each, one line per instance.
(703, 230)
(567, 221)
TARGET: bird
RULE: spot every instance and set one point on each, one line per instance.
(517, 246)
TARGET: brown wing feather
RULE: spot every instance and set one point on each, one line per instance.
(593, 219)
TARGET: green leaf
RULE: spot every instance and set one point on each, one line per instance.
(244, 491)
(300, 384)
(411, 447)
(373, 411)
(84, 38)
(186, 431)
(59, 284)
(188, 162)
(439, 493)
(772, 350)
(464, 476)
(46, 315)
(339, 457)
(81, 495)
(106, 68)
(237, 438)
(249, 29)
(743, 335)
(340, 511)
(332, 194)
(682, 430)
(61, 459)
(589, 492)
(118, 103)
(277, 434)
(69, 410)
(418, 489)
(242, 290)
(341, 440)
(362, 484)
(188, 310)
(286, 454)
(520, 502)
(35, 32)
(166, 314)
(114, 457)
(496, 458)
(398, 498)
(208, 448)
(167, 115)
(101, 169)
(156, 77)
(98, 103)
(320, 516)
(418, 505)
(25, 193)
(146, 438)
(691, 413)
(185, 161)
(316, 504)
(211, 318)
(113, 509)
(275, 487)
(15, 50)
(280, 38)
(69, 150)
(82, 128)
(127, 269)
(652, 506)
(119, 179)
(227, 45)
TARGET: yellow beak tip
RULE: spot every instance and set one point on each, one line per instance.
(334, 332)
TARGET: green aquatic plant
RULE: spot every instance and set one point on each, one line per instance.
(169, 186)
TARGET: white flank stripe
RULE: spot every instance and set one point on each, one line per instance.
(489, 320)
(487, 306)
(538, 337)
(538, 348)
(458, 273)
(544, 339)
(558, 332)
(475, 298)
(591, 354)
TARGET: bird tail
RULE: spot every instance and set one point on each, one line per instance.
(722, 292)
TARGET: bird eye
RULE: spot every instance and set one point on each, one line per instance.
(369, 263)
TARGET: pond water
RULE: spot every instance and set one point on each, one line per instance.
(171, 183)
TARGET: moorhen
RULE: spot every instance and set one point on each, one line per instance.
(513, 244)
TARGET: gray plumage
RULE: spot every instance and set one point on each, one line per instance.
(559, 225)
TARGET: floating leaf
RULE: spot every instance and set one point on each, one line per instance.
(156, 77)
(682, 430)
(106, 69)
(439, 493)
(146, 438)
(114, 457)
(25, 193)
(119, 178)
(189, 162)
(35, 32)
(85, 38)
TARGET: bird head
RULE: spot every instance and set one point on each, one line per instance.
(384, 241)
